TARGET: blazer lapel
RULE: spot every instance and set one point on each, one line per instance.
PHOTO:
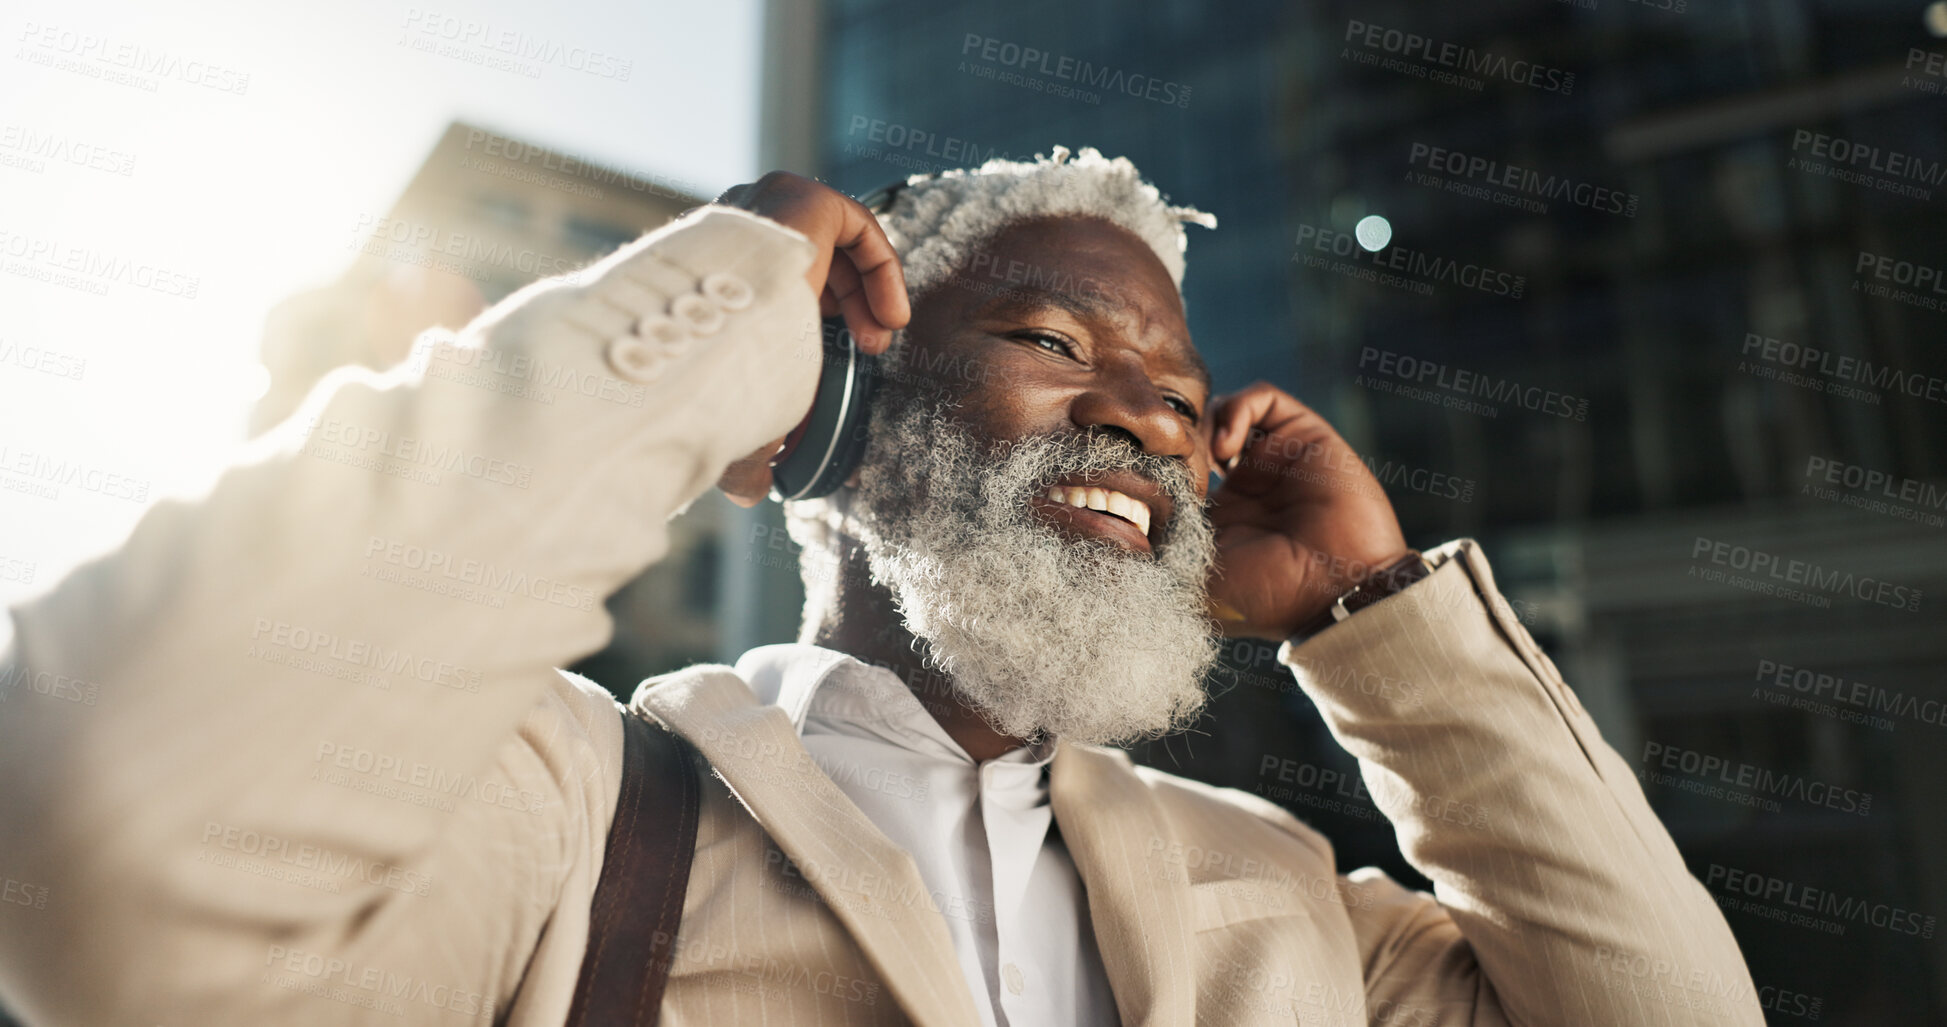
(869, 883)
(1138, 899)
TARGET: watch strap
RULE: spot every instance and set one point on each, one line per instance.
(1387, 581)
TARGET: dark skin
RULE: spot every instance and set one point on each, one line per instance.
(1073, 325)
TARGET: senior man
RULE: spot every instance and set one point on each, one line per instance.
(323, 768)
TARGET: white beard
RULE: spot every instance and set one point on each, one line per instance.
(1041, 633)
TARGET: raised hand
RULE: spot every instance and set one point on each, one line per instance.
(1300, 519)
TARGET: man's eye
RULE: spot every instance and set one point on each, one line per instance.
(1051, 343)
(1057, 344)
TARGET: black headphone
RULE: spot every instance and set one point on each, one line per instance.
(834, 437)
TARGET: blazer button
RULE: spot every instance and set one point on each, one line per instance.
(634, 359)
(662, 333)
(729, 291)
(702, 316)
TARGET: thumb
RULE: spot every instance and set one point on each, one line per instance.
(748, 481)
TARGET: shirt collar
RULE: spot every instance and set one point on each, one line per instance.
(810, 682)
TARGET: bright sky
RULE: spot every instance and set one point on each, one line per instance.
(194, 178)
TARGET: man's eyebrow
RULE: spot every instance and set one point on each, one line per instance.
(1080, 304)
(1086, 306)
(1201, 372)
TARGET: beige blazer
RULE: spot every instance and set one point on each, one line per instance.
(1562, 900)
(296, 751)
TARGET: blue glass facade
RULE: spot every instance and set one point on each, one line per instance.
(1656, 269)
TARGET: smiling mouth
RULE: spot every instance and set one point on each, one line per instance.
(1093, 511)
(1105, 501)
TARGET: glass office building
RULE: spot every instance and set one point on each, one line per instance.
(1661, 298)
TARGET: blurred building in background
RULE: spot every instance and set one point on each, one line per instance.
(486, 214)
(1654, 323)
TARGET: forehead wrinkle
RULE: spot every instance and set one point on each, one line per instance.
(1088, 306)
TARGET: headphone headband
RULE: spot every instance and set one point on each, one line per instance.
(879, 200)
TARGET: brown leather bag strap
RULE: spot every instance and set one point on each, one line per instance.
(645, 872)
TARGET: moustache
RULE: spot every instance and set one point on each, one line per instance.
(1032, 464)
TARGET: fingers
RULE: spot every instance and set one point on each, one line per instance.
(748, 480)
(868, 266)
(842, 279)
(856, 270)
(1236, 414)
(848, 296)
(1268, 409)
(873, 337)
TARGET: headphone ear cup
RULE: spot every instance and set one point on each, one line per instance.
(857, 424)
(834, 438)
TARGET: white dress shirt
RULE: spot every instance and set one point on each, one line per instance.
(980, 832)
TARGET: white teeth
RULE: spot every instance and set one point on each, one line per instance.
(1128, 508)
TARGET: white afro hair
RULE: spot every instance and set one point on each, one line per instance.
(937, 222)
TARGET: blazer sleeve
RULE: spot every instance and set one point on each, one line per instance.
(234, 746)
(1560, 897)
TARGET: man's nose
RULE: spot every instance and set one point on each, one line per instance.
(1132, 406)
